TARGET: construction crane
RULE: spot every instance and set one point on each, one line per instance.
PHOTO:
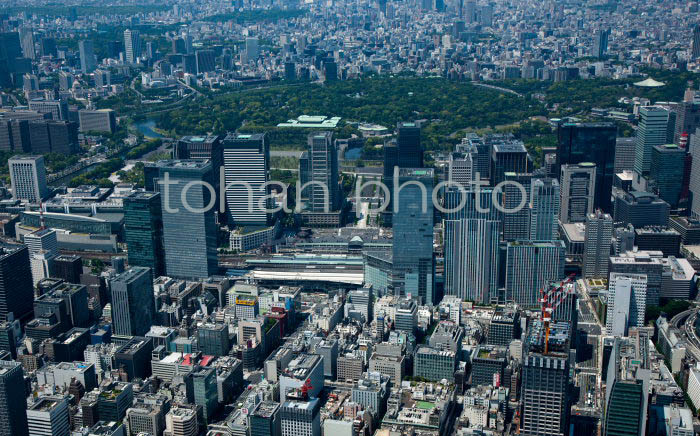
(550, 300)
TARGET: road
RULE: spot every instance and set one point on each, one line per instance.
(497, 88)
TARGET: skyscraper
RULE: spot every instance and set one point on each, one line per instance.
(133, 304)
(16, 290)
(300, 417)
(132, 45)
(471, 259)
(627, 298)
(577, 192)
(87, 56)
(507, 157)
(49, 416)
(531, 265)
(516, 223)
(652, 130)
(206, 61)
(252, 49)
(666, 172)
(596, 245)
(246, 164)
(544, 209)
(626, 394)
(28, 178)
(324, 194)
(545, 381)
(189, 236)
(201, 390)
(695, 43)
(410, 153)
(264, 420)
(590, 142)
(601, 42)
(413, 234)
(13, 399)
(143, 231)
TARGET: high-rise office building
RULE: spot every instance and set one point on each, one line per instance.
(507, 157)
(252, 49)
(652, 131)
(182, 421)
(324, 194)
(299, 417)
(667, 171)
(461, 169)
(246, 163)
(189, 233)
(544, 209)
(545, 381)
(133, 303)
(516, 223)
(101, 120)
(577, 192)
(206, 61)
(10, 51)
(601, 42)
(264, 420)
(627, 298)
(413, 264)
(471, 259)
(28, 178)
(88, 63)
(410, 152)
(16, 290)
(49, 416)
(132, 45)
(13, 399)
(596, 244)
(143, 231)
(626, 393)
(590, 142)
(530, 265)
(58, 109)
(202, 390)
(624, 154)
(695, 43)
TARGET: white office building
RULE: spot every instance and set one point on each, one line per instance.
(627, 298)
(28, 178)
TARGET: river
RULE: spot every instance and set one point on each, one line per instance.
(146, 127)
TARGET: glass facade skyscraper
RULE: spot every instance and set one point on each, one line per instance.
(413, 234)
(544, 209)
(16, 292)
(246, 162)
(666, 171)
(471, 259)
(133, 304)
(590, 142)
(410, 153)
(189, 236)
(530, 265)
(652, 130)
(323, 170)
(143, 231)
(13, 399)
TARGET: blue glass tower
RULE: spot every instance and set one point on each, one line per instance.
(413, 234)
(189, 236)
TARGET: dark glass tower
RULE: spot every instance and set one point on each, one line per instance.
(13, 399)
(16, 291)
(413, 235)
(410, 153)
(189, 236)
(143, 231)
(590, 142)
(133, 305)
